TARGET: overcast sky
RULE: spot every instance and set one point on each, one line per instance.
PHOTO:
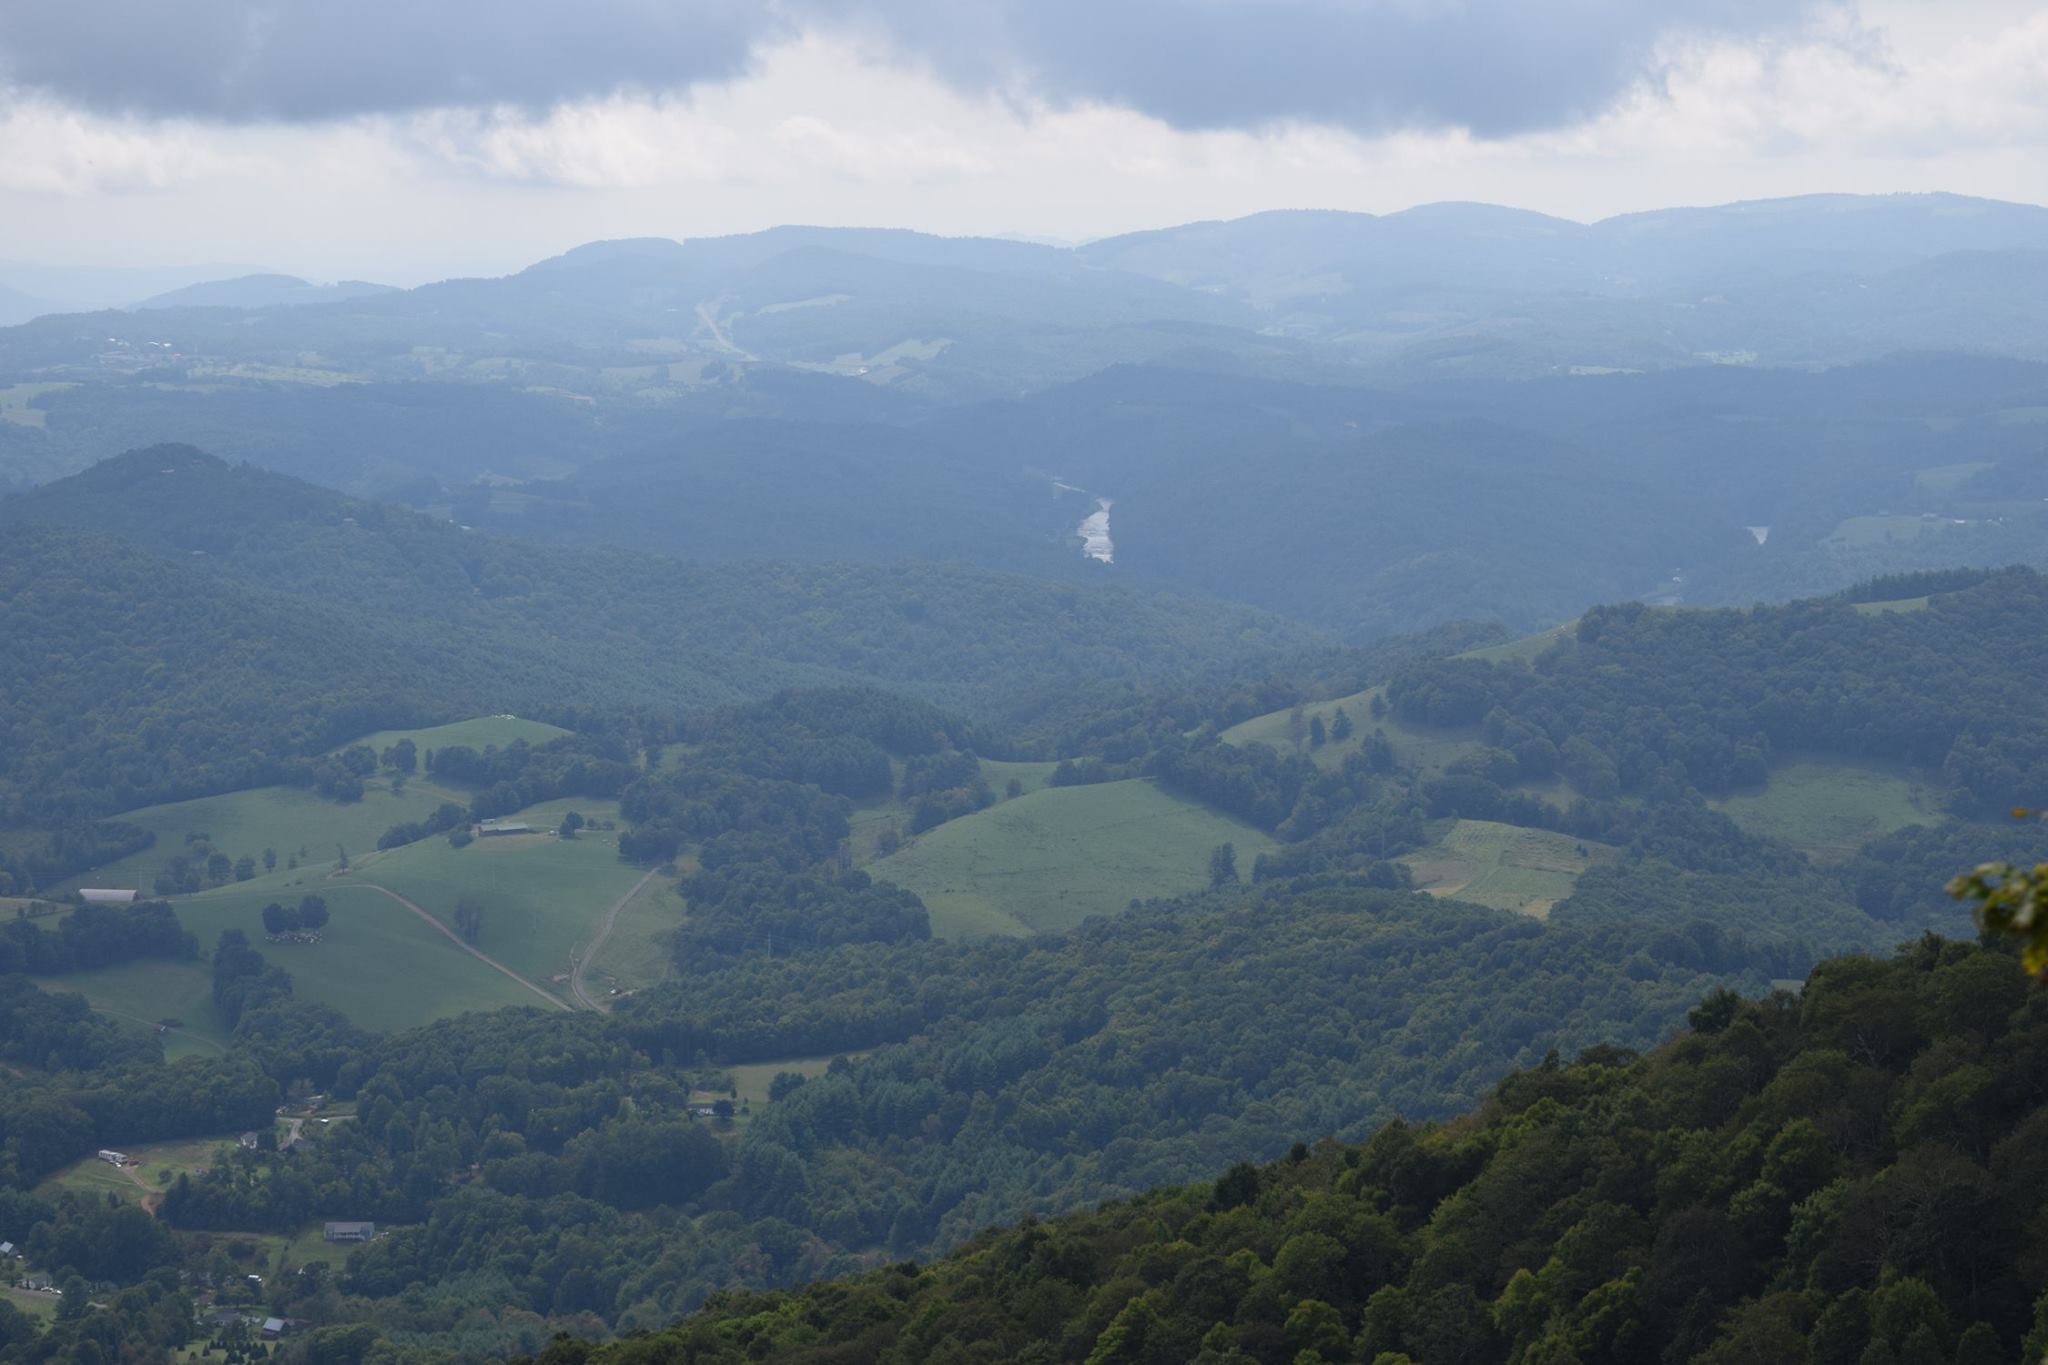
(403, 140)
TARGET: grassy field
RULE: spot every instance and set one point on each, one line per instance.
(543, 897)
(16, 401)
(1856, 532)
(377, 963)
(1046, 861)
(1423, 748)
(1901, 604)
(157, 1165)
(1504, 867)
(483, 730)
(636, 955)
(1948, 477)
(283, 818)
(1830, 809)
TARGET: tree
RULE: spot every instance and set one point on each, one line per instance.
(1340, 725)
(570, 824)
(312, 912)
(245, 868)
(2012, 901)
(402, 757)
(1318, 733)
(1223, 865)
(270, 860)
(469, 918)
(279, 919)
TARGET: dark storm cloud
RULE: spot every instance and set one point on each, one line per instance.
(303, 60)
(1495, 66)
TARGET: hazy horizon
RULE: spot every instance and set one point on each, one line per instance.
(404, 147)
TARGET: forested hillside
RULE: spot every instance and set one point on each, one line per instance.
(1847, 1175)
(179, 626)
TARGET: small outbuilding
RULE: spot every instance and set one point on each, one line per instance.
(105, 895)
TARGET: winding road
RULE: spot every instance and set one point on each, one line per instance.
(589, 955)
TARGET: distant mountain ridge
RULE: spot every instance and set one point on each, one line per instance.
(263, 291)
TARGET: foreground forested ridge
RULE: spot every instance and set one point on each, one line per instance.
(1852, 1174)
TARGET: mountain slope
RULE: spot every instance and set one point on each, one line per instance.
(341, 617)
(1796, 1179)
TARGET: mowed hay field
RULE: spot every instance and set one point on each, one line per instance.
(1827, 809)
(288, 819)
(543, 898)
(158, 1165)
(1045, 861)
(1503, 867)
(377, 962)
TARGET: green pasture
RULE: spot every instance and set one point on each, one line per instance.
(1947, 478)
(1031, 776)
(95, 1178)
(543, 898)
(476, 733)
(1424, 748)
(377, 962)
(17, 403)
(1902, 604)
(1046, 861)
(1830, 809)
(636, 955)
(1862, 532)
(1503, 867)
(284, 818)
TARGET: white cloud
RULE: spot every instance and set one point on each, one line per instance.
(822, 130)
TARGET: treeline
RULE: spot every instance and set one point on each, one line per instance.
(1840, 1177)
(1641, 698)
(68, 851)
(94, 935)
(81, 1081)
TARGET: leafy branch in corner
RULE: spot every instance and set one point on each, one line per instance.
(2012, 900)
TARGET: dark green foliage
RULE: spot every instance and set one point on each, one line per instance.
(1603, 1211)
(95, 936)
(279, 620)
(1642, 700)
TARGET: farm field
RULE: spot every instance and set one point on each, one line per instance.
(291, 818)
(95, 1178)
(1828, 809)
(542, 897)
(1044, 862)
(476, 733)
(247, 822)
(637, 953)
(1898, 604)
(1503, 867)
(377, 963)
(1427, 750)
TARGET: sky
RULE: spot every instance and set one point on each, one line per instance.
(407, 140)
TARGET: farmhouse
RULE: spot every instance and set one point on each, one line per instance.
(105, 895)
(349, 1232)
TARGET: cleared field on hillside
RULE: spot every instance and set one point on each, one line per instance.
(1425, 749)
(1046, 861)
(130, 1184)
(476, 733)
(637, 953)
(543, 898)
(1828, 809)
(282, 818)
(1504, 867)
(1900, 604)
(377, 962)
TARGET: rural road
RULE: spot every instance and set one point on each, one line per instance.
(604, 932)
(456, 939)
